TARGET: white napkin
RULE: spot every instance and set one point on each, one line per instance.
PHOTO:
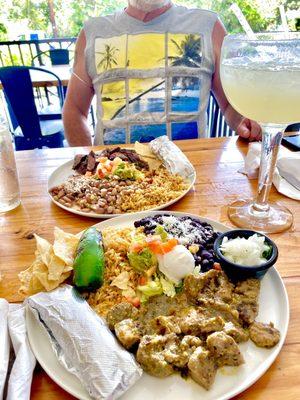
(19, 384)
(13, 326)
(288, 163)
(4, 344)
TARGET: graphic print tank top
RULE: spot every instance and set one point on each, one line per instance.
(152, 78)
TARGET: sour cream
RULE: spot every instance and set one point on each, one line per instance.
(176, 264)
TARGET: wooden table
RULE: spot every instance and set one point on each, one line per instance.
(218, 182)
(41, 79)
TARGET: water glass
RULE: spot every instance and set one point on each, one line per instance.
(9, 182)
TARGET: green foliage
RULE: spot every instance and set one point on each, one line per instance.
(35, 11)
(257, 22)
(81, 11)
(289, 5)
(71, 14)
(84, 9)
(3, 31)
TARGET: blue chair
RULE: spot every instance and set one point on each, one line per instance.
(33, 131)
(57, 56)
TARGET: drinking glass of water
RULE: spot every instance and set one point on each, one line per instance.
(9, 183)
(261, 79)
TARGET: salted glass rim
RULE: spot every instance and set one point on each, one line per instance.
(268, 37)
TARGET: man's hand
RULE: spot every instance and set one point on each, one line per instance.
(244, 127)
(249, 129)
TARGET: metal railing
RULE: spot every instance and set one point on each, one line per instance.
(217, 126)
(21, 52)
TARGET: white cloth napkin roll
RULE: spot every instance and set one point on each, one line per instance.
(287, 173)
(13, 330)
(20, 378)
(4, 344)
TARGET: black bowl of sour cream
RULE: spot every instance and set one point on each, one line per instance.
(245, 253)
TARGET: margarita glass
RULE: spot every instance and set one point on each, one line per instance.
(261, 79)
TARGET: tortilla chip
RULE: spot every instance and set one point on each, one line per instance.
(144, 151)
(65, 245)
(121, 281)
(30, 284)
(154, 163)
(44, 249)
(51, 284)
(52, 264)
(68, 268)
(25, 278)
(56, 268)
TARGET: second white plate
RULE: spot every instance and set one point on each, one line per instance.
(64, 171)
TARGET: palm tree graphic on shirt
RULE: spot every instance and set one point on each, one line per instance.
(108, 59)
(189, 54)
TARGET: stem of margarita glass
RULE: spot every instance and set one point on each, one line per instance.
(271, 139)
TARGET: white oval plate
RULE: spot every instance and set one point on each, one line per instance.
(60, 175)
(230, 381)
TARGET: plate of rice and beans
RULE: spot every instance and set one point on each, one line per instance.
(159, 286)
(115, 181)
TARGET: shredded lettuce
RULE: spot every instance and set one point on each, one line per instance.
(159, 230)
(197, 270)
(153, 288)
(167, 286)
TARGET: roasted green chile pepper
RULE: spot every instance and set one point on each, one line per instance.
(89, 261)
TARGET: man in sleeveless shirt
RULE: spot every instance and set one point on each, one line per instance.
(151, 67)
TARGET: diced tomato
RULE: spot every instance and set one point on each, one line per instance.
(169, 245)
(137, 247)
(143, 281)
(100, 173)
(217, 266)
(158, 247)
(135, 301)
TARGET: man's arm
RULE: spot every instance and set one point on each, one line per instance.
(78, 100)
(243, 126)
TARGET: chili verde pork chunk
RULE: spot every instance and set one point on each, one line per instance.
(190, 323)
(192, 334)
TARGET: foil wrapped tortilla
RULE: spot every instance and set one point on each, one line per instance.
(83, 343)
(173, 158)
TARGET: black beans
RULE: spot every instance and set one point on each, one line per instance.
(198, 233)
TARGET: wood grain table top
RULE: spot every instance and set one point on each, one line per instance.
(41, 79)
(217, 162)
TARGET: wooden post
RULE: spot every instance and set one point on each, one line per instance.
(52, 18)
